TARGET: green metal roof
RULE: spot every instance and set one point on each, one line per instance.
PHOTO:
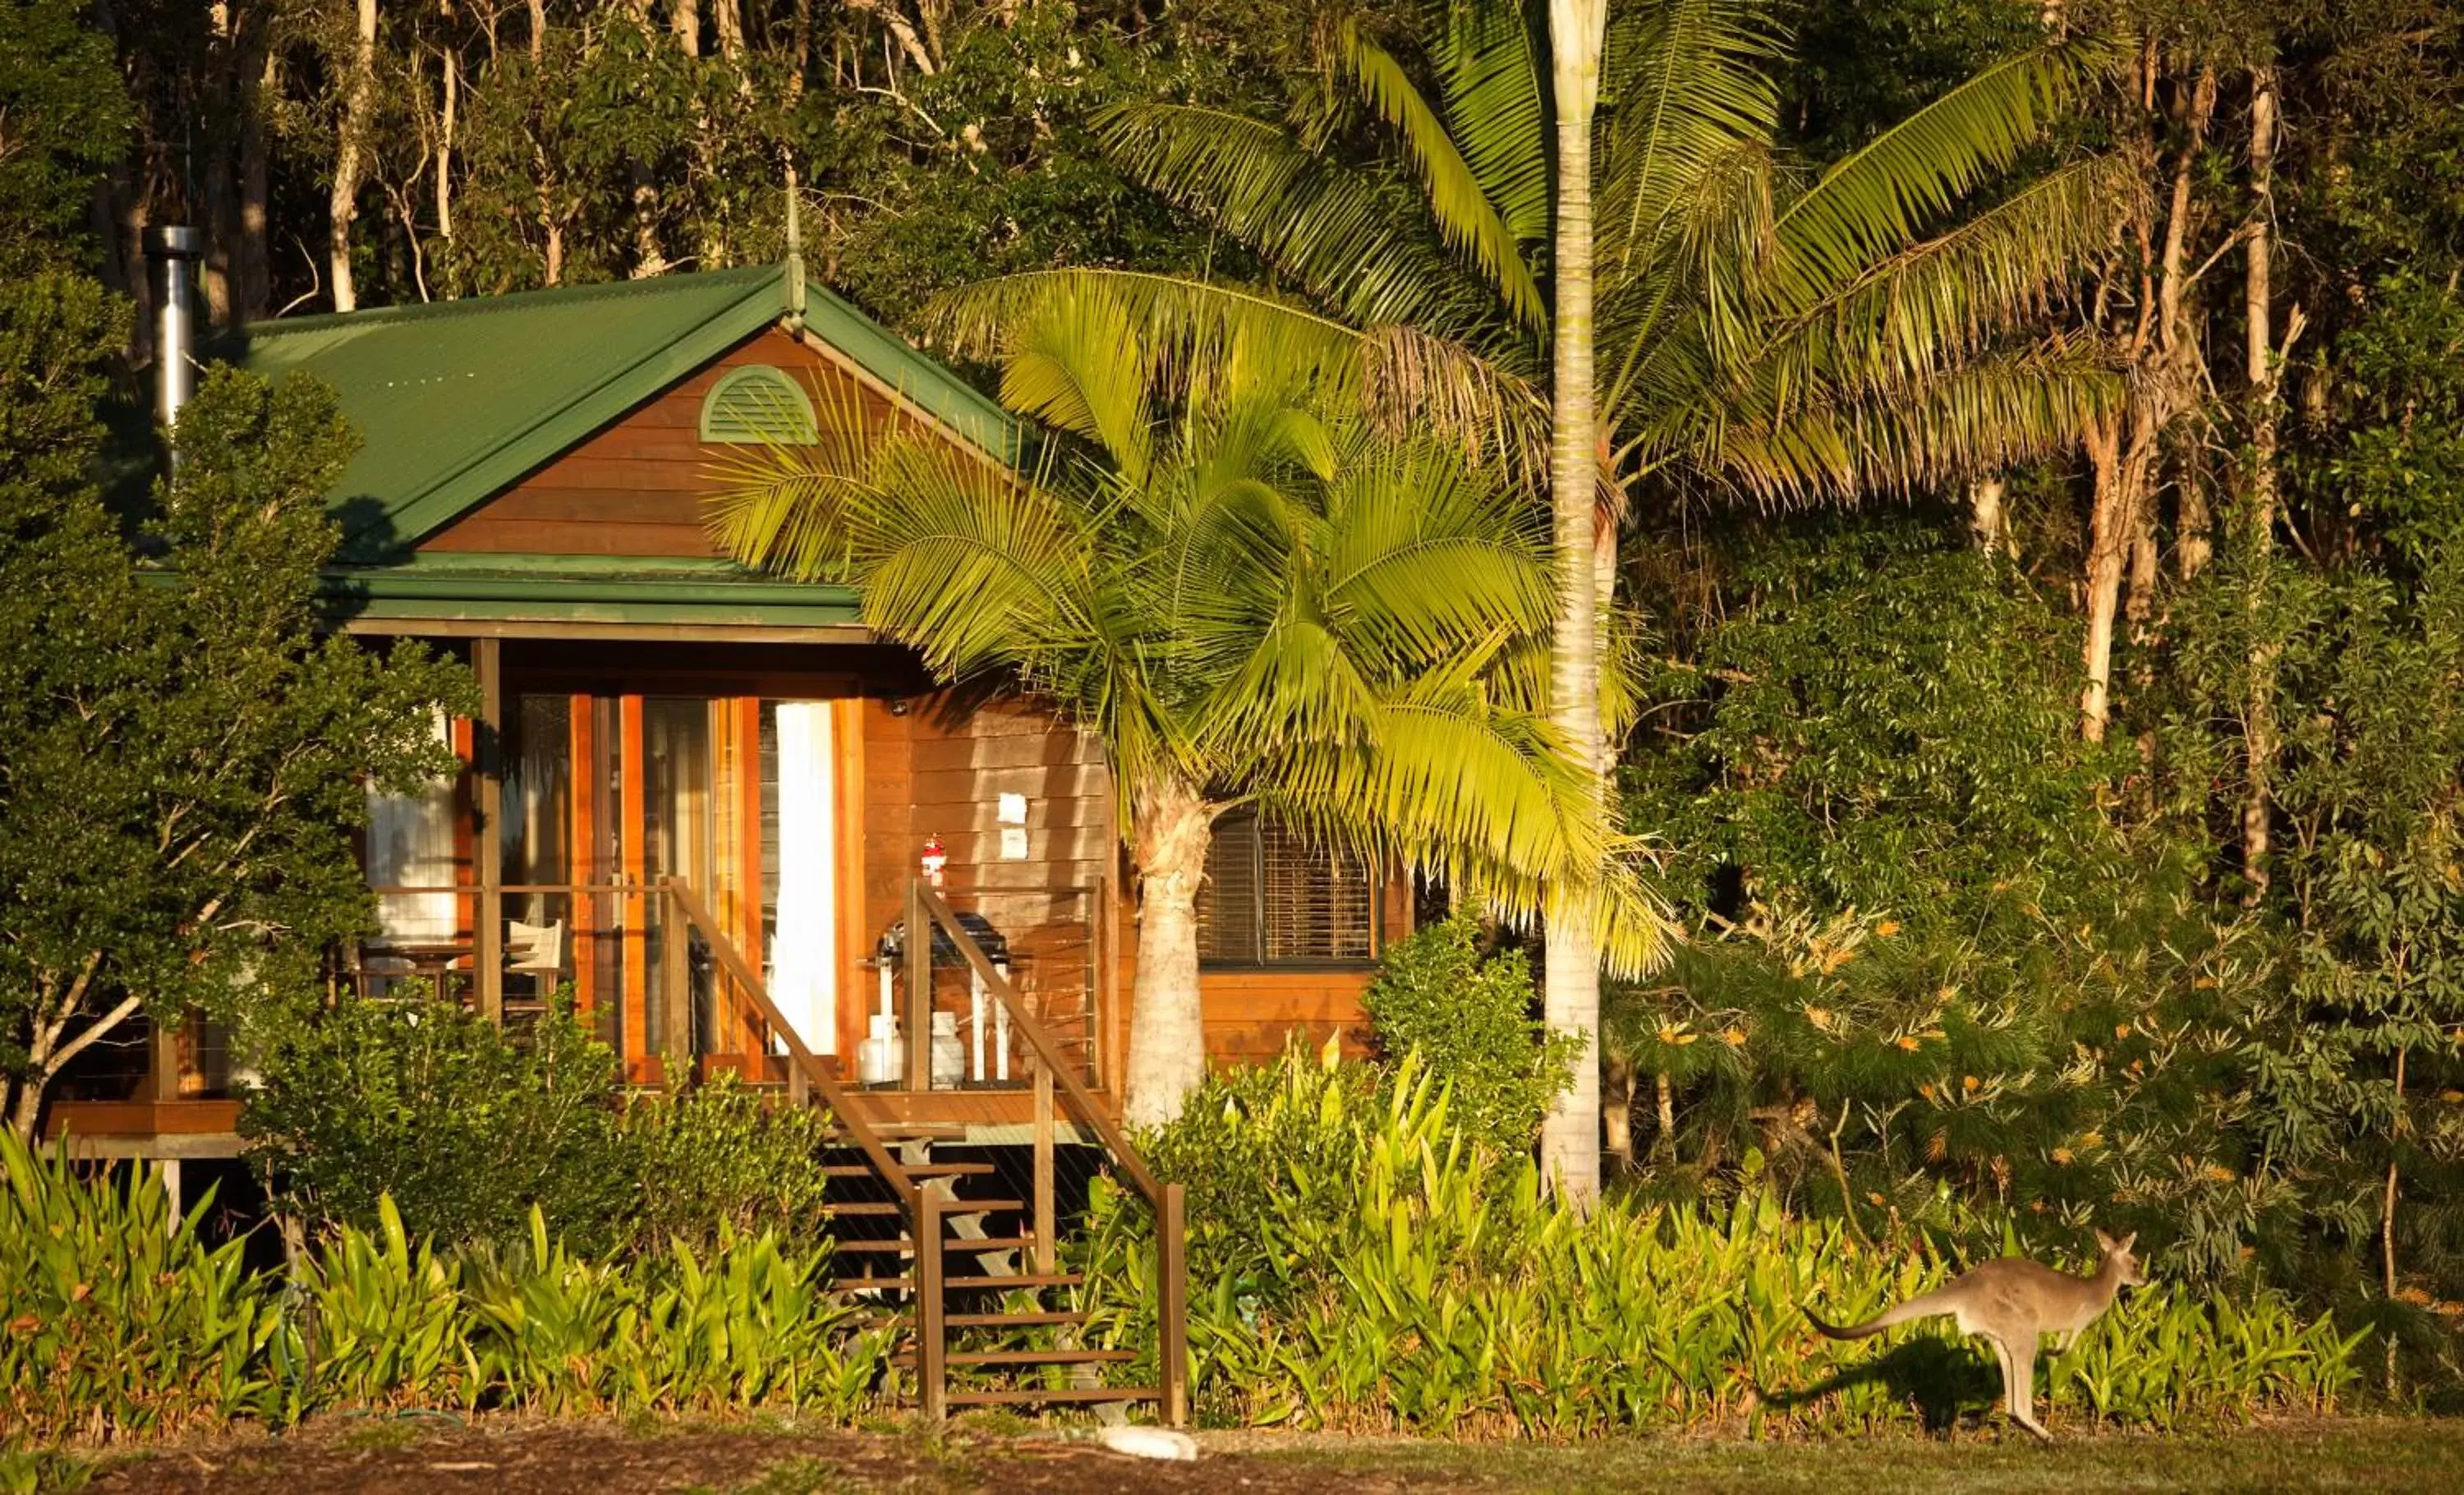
(455, 401)
(476, 587)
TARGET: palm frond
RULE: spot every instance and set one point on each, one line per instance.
(1691, 83)
(1466, 217)
(1942, 298)
(1081, 366)
(1492, 67)
(1332, 231)
(1881, 198)
(1983, 415)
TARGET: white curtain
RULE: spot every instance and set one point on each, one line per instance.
(410, 844)
(804, 946)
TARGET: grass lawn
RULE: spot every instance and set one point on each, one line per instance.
(2410, 1455)
(506, 1457)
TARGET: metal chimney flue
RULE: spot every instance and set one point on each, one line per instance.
(177, 248)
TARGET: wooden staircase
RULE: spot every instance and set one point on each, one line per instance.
(983, 1297)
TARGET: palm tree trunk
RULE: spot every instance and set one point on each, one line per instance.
(1570, 1139)
(1167, 1055)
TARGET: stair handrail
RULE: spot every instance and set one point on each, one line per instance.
(1171, 1228)
(1040, 1040)
(816, 1074)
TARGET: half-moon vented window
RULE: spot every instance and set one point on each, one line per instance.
(758, 404)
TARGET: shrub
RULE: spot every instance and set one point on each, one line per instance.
(722, 1157)
(1418, 1282)
(119, 1323)
(1470, 1019)
(466, 1130)
(440, 1110)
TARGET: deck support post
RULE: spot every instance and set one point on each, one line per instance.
(1171, 1265)
(1047, 1228)
(931, 1369)
(487, 760)
(919, 990)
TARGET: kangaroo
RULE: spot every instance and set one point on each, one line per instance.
(2014, 1303)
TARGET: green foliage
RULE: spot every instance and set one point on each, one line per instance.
(1883, 721)
(123, 1326)
(121, 1322)
(439, 1111)
(68, 120)
(1428, 1286)
(427, 1110)
(187, 750)
(1468, 1019)
(722, 1157)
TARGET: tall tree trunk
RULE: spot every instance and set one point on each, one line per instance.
(2195, 523)
(2258, 711)
(349, 154)
(2108, 529)
(1167, 1056)
(550, 226)
(445, 144)
(1570, 1139)
(2123, 448)
(1986, 519)
(220, 169)
(255, 250)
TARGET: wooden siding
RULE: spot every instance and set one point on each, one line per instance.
(635, 489)
(938, 766)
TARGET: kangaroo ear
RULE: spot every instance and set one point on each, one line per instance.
(2128, 1241)
(2106, 1242)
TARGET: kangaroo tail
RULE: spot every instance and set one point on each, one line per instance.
(1923, 1305)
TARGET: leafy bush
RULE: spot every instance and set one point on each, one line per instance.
(466, 1130)
(1397, 1277)
(122, 1325)
(439, 1110)
(722, 1157)
(1470, 1019)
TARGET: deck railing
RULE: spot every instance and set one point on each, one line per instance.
(1040, 1033)
(1059, 1091)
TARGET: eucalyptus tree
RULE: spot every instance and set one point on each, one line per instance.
(1246, 597)
(1763, 331)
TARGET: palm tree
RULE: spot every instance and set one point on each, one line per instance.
(1569, 1143)
(1247, 601)
(1762, 332)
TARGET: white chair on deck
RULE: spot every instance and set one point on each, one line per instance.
(536, 950)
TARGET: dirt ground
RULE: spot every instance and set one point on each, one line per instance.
(507, 1458)
(499, 1455)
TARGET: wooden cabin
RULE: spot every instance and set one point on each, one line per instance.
(687, 778)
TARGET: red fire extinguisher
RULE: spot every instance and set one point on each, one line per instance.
(934, 859)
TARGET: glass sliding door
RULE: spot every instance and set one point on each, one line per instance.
(677, 800)
(738, 796)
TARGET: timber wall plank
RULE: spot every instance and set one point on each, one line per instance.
(635, 489)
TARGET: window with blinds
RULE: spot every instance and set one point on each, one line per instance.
(1272, 898)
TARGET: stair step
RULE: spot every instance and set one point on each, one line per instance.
(913, 1170)
(948, 1207)
(1018, 1283)
(1082, 1394)
(1041, 1357)
(1036, 1320)
(902, 1246)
